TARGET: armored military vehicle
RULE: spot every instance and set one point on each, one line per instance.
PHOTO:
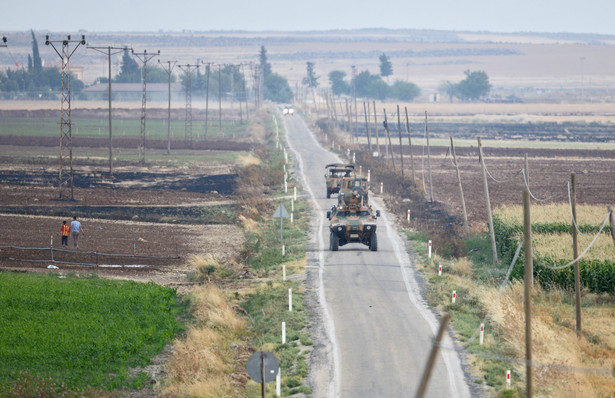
(334, 174)
(352, 221)
(354, 189)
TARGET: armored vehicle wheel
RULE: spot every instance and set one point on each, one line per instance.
(334, 242)
(373, 243)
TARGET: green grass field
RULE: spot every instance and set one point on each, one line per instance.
(156, 129)
(82, 332)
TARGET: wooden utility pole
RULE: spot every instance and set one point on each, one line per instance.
(369, 135)
(220, 97)
(432, 356)
(428, 158)
(347, 117)
(376, 130)
(334, 109)
(463, 201)
(528, 276)
(575, 251)
(386, 128)
(410, 145)
(612, 223)
(401, 147)
(494, 250)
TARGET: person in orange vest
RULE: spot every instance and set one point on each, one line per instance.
(65, 229)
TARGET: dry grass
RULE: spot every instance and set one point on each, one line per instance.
(205, 359)
(553, 214)
(559, 246)
(554, 341)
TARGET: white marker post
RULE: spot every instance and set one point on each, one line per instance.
(283, 332)
(354, 157)
(508, 379)
(290, 299)
(348, 152)
(429, 249)
(440, 270)
(285, 186)
(381, 187)
(454, 296)
(360, 170)
(283, 250)
(482, 333)
(408, 216)
(291, 217)
(294, 193)
(369, 175)
(283, 272)
(278, 384)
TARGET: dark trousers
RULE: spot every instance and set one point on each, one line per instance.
(65, 240)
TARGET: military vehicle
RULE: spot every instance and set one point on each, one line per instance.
(335, 172)
(354, 189)
(352, 221)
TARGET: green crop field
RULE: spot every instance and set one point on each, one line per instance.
(99, 127)
(82, 332)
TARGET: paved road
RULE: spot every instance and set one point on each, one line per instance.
(377, 330)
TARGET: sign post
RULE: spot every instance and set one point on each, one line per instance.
(281, 213)
(262, 367)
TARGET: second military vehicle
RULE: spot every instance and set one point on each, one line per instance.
(334, 175)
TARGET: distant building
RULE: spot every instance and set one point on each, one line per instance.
(134, 92)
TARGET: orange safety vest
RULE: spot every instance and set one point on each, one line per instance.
(65, 230)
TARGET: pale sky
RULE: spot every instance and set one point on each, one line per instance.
(577, 16)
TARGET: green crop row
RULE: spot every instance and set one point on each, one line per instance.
(82, 332)
(597, 275)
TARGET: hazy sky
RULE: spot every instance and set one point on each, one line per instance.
(579, 16)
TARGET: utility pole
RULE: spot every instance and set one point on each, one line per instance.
(187, 69)
(207, 72)
(219, 98)
(144, 57)
(169, 70)
(66, 135)
(108, 53)
(494, 250)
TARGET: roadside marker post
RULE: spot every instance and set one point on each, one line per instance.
(482, 333)
(440, 270)
(290, 300)
(278, 384)
(429, 249)
(454, 296)
(369, 175)
(283, 332)
(408, 216)
(381, 187)
(294, 193)
(283, 272)
(508, 379)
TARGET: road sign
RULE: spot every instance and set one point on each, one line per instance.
(281, 212)
(262, 362)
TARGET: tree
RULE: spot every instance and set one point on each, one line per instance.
(265, 66)
(404, 91)
(338, 84)
(370, 86)
(130, 71)
(386, 68)
(311, 80)
(449, 89)
(277, 88)
(474, 86)
(37, 63)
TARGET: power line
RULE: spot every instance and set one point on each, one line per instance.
(108, 53)
(66, 139)
(188, 69)
(144, 57)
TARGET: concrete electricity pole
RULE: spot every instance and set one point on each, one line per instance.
(144, 57)
(108, 53)
(169, 70)
(188, 69)
(66, 137)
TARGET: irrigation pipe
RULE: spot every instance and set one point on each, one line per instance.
(574, 222)
(500, 291)
(606, 220)
(90, 253)
(528, 188)
(502, 181)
